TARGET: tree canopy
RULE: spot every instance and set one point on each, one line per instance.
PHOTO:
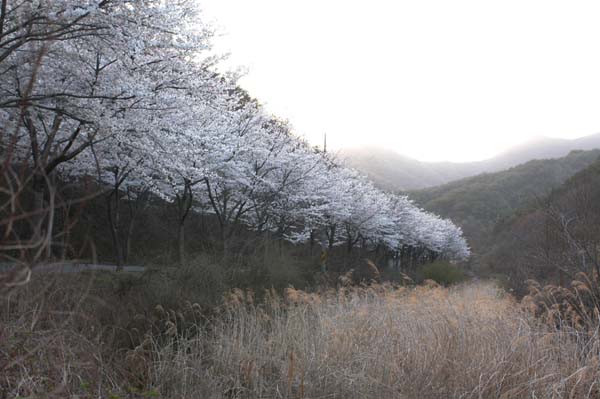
(125, 92)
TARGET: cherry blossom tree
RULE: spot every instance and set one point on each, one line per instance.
(125, 92)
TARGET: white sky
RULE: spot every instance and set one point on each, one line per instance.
(436, 80)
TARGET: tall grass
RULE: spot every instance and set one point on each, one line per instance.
(467, 342)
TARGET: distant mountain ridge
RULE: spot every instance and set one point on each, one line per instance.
(396, 172)
(479, 202)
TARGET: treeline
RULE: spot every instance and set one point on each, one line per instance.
(123, 97)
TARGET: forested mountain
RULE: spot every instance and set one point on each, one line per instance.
(553, 238)
(390, 170)
(478, 203)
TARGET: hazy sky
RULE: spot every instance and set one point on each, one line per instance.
(433, 79)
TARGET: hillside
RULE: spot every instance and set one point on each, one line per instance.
(393, 171)
(553, 238)
(478, 203)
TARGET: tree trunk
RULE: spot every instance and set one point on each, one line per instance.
(397, 260)
(184, 205)
(222, 230)
(113, 221)
(135, 206)
(39, 206)
(114, 218)
(128, 241)
(331, 238)
(181, 242)
(41, 216)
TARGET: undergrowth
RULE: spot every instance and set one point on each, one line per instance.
(365, 341)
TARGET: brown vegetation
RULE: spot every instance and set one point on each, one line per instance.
(470, 341)
(554, 239)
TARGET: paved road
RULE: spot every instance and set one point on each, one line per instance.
(75, 268)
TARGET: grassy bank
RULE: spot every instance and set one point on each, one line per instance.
(469, 341)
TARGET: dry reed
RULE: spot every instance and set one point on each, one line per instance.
(377, 341)
(470, 341)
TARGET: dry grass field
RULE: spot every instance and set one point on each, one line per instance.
(468, 341)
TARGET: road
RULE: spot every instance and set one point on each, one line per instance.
(66, 267)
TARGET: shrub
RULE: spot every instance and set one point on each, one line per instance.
(444, 273)
(269, 266)
(577, 306)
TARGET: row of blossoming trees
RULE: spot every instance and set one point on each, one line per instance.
(124, 92)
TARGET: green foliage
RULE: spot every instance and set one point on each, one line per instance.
(204, 279)
(478, 203)
(275, 266)
(441, 272)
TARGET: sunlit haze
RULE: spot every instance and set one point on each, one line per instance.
(434, 79)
